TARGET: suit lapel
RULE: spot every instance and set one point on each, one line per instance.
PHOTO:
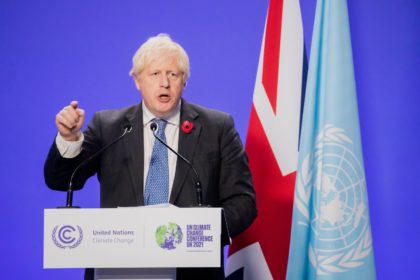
(186, 146)
(135, 152)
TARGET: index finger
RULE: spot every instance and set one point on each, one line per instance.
(74, 104)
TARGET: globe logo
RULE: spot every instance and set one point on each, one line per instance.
(168, 236)
(331, 198)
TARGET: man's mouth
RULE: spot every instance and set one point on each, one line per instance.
(164, 97)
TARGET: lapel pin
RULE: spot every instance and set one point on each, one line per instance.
(187, 126)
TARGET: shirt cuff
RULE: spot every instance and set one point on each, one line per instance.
(69, 149)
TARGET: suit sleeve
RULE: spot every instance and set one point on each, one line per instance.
(58, 170)
(236, 190)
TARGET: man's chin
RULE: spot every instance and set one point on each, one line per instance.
(163, 113)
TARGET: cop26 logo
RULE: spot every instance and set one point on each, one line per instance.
(169, 236)
(67, 236)
(333, 174)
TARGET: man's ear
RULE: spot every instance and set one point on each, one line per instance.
(137, 82)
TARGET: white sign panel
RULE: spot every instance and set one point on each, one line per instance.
(132, 237)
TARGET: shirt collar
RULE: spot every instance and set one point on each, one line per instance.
(173, 118)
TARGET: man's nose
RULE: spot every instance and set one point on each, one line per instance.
(164, 81)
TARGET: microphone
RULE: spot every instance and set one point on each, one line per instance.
(69, 204)
(198, 190)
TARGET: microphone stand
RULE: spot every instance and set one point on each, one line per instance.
(69, 200)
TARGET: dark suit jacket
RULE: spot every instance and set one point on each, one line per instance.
(213, 147)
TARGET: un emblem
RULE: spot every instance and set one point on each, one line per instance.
(67, 236)
(331, 197)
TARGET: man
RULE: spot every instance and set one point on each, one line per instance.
(207, 138)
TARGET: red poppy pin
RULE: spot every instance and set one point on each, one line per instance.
(187, 126)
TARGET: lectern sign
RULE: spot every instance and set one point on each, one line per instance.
(132, 237)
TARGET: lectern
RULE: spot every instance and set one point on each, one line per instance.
(133, 237)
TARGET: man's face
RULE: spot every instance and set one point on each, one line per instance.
(161, 84)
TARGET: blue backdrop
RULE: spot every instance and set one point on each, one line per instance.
(52, 52)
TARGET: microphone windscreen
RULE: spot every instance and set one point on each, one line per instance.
(153, 126)
(128, 127)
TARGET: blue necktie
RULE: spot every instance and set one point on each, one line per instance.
(156, 190)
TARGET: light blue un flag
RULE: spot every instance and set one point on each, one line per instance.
(331, 236)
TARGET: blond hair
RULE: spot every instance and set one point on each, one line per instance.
(156, 46)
